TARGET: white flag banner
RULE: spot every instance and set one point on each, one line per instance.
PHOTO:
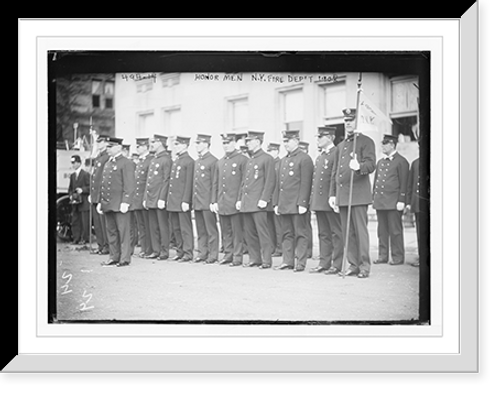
(369, 115)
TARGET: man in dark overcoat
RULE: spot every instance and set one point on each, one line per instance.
(78, 191)
(358, 165)
(255, 200)
(180, 199)
(230, 171)
(331, 244)
(115, 197)
(204, 196)
(413, 200)
(155, 197)
(291, 201)
(274, 222)
(389, 200)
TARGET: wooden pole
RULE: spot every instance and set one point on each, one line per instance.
(348, 227)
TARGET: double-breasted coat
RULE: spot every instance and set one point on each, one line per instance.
(141, 179)
(158, 175)
(258, 183)
(180, 187)
(205, 182)
(230, 170)
(361, 188)
(118, 184)
(96, 176)
(324, 167)
(390, 182)
(413, 193)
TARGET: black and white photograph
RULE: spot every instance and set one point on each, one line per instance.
(244, 187)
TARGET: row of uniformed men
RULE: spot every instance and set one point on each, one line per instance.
(255, 197)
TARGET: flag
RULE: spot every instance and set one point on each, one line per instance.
(369, 115)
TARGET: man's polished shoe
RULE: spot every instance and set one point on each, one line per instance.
(123, 264)
(318, 269)
(332, 271)
(210, 261)
(224, 261)
(350, 272)
(109, 263)
(363, 274)
(185, 259)
(284, 267)
(253, 264)
(277, 254)
(235, 264)
(265, 266)
(152, 256)
(104, 251)
(378, 261)
(177, 258)
(398, 263)
(162, 257)
(298, 269)
(199, 260)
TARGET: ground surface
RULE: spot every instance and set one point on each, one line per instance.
(150, 290)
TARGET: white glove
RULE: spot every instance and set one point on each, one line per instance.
(332, 201)
(99, 208)
(354, 165)
(185, 207)
(161, 204)
(79, 190)
(144, 205)
(302, 210)
(262, 204)
(214, 207)
(276, 210)
(238, 205)
(124, 207)
(89, 198)
(400, 206)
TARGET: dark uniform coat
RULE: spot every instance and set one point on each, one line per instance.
(390, 182)
(180, 188)
(158, 173)
(205, 182)
(413, 194)
(293, 186)
(118, 184)
(361, 190)
(259, 182)
(324, 167)
(96, 176)
(230, 169)
(141, 179)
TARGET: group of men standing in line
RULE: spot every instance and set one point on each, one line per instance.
(261, 202)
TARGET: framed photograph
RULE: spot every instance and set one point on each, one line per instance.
(150, 280)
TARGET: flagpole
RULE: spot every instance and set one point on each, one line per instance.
(348, 227)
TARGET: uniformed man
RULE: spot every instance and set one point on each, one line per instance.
(359, 165)
(204, 196)
(142, 161)
(304, 146)
(155, 197)
(291, 201)
(79, 188)
(274, 222)
(389, 200)
(331, 245)
(115, 197)
(255, 199)
(413, 200)
(99, 221)
(180, 198)
(230, 172)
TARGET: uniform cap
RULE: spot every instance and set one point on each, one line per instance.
(203, 138)
(252, 134)
(142, 141)
(182, 140)
(349, 113)
(239, 136)
(326, 130)
(114, 141)
(76, 159)
(273, 146)
(389, 138)
(102, 138)
(161, 138)
(228, 137)
(287, 134)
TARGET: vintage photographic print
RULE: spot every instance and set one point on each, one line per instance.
(253, 187)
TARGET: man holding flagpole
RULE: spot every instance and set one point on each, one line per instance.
(357, 159)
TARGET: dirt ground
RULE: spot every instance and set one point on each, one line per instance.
(150, 290)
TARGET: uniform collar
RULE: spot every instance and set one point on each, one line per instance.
(294, 153)
(328, 149)
(391, 155)
(230, 155)
(256, 153)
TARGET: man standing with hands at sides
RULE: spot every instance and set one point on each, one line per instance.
(230, 171)
(155, 197)
(141, 179)
(331, 244)
(389, 200)
(179, 201)
(100, 157)
(358, 165)
(274, 220)
(115, 197)
(254, 200)
(291, 201)
(204, 196)
(79, 188)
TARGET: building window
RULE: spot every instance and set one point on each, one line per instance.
(172, 121)
(237, 113)
(146, 124)
(404, 107)
(96, 101)
(104, 90)
(332, 102)
(292, 109)
(171, 79)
